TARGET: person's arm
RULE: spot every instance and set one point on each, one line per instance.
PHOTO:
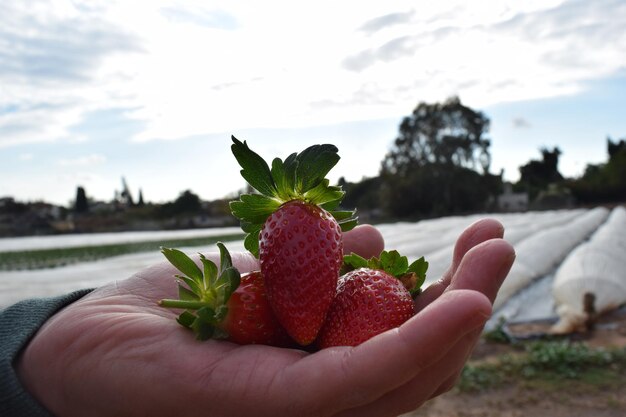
(18, 324)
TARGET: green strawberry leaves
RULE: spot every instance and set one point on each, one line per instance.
(255, 169)
(206, 293)
(413, 276)
(299, 177)
(183, 263)
(254, 208)
(324, 193)
(284, 175)
(393, 263)
(313, 165)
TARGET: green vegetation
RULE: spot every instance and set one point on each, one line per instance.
(538, 175)
(548, 364)
(439, 163)
(605, 182)
(498, 334)
(50, 258)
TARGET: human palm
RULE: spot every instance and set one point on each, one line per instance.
(115, 352)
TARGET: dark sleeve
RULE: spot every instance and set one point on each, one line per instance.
(18, 324)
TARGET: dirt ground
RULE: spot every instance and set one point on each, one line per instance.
(521, 400)
(540, 398)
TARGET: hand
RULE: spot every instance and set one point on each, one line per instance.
(116, 353)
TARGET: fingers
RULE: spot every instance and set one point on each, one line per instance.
(244, 262)
(481, 262)
(344, 378)
(435, 380)
(452, 380)
(364, 240)
(478, 232)
(475, 234)
(484, 268)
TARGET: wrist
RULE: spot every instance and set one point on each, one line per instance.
(18, 382)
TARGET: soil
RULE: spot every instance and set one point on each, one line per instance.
(522, 400)
(540, 398)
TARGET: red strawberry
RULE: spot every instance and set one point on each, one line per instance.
(225, 306)
(370, 301)
(250, 318)
(301, 252)
(297, 240)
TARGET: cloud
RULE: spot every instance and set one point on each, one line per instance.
(56, 48)
(490, 55)
(382, 22)
(405, 46)
(574, 36)
(26, 157)
(51, 67)
(390, 51)
(38, 122)
(367, 95)
(521, 123)
(87, 160)
(214, 19)
(186, 70)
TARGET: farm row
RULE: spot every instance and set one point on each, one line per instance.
(543, 241)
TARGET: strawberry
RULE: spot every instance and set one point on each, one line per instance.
(301, 253)
(250, 319)
(294, 229)
(375, 297)
(226, 306)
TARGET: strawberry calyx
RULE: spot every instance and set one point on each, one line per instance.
(205, 293)
(301, 176)
(412, 276)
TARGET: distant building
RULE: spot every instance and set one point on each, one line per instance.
(510, 201)
(36, 218)
(6, 202)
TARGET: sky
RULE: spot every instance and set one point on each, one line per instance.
(93, 91)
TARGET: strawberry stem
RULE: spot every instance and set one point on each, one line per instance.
(409, 281)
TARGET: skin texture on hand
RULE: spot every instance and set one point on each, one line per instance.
(115, 352)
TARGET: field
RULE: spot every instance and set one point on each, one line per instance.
(44, 266)
(581, 375)
(548, 378)
(56, 257)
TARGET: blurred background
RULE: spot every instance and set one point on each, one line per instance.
(93, 92)
(116, 120)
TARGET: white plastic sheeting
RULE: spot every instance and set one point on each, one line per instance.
(543, 251)
(433, 239)
(12, 244)
(18, 285)
(517, 227)
(597, 267)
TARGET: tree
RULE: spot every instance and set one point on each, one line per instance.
(604, 183)
(365, 194)
(448, 134)
(81, 205)
(439, 163)
(186, 203)
(615, 148)
(126, 195)
(539, 174)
